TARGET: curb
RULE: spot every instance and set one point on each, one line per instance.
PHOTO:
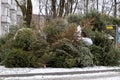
(59, 73)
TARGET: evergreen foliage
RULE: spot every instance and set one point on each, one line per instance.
(24, 47)
(84, 57)
(74, 18)
(54, 28)
(17, 58)
(23, 38)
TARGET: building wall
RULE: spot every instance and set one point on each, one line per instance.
(13, 12)
(5, 20)
(0, 18)
(9, 15)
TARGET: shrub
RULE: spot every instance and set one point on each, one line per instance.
(42, 51)
(53, 29)
(5, 46)
(84, 57)
(111, 20)
(17, 58)
(23, 38)
(5, 41)
(98, 22)
(71, 34)
(38, 44)
(67, 46)
(105, 58)
(13, 29)
(2, 41)
(46, 58)
(114, 21)
(101, 39)
(3, 55)
(37, 62)
(112, 57)
(62, 59)
(39, 47)
(74, 18)
(99, 54)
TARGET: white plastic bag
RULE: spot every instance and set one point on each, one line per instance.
(87, 41)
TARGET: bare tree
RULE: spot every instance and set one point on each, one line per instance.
(97, 5)
(26, 8)
(86, 6)
(53, 8)
(103, 6)
(115, 8)
(61, 8)
(111, 7)
(76, 3)
(62, 5)
(58, 8)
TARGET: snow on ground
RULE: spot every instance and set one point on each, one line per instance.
(93, 76)
(4, 70)
(113, 78)
(52, 70)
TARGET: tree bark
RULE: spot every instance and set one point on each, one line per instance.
(103, 6)
(97, 5)
(53, 3)
(29, 13)
(46, 8)
(71, 6)
(62, 5)
(115, 8)
(87, 1)
(111, 8)
(86, 6)
(75, 6)
(23, 9)
(26, 9)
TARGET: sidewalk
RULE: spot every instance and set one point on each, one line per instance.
(53, 73)
(4, 70)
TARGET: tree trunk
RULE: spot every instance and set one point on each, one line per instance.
(23, 9)
(76, 3)
(26, 11)
(62, 5)
(115, 8)
(86, 6)
(87, 1)
(97, 5)
(53, 2)
(103, 6)
(29, 13)
(111, 8)
(71, 6)
(46, 7)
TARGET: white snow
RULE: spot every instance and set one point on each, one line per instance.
(4, 70)
(52, 70)
(114, 75)
(93, 76)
